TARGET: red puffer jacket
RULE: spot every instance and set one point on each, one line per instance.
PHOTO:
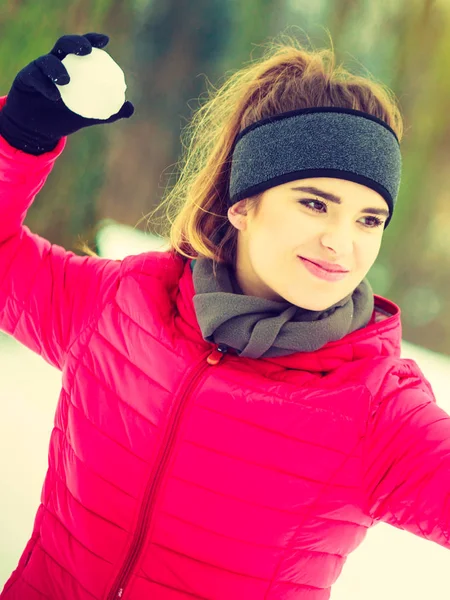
(177, 472)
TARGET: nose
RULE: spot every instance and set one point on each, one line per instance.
(339, 239)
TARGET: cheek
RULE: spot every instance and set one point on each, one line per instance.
(367, 254)
(270, 243)
(277, 230)
(272, 248)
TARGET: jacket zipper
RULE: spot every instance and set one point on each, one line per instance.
(117, 590)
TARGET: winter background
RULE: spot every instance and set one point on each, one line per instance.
(390, 564)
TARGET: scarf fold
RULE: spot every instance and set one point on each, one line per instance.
(256, 327)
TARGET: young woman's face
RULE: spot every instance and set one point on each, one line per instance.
(331, 220)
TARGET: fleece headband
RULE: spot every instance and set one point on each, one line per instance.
(316, 142)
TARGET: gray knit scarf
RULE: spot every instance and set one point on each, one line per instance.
(256, 327)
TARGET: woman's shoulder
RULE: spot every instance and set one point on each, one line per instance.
(148, 285)
(395, 375)
(164, 265)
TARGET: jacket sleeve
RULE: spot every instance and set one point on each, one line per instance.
(47, 294)
(406, 459)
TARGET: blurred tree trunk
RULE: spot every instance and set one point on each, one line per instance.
(340, 14)
(176, 44)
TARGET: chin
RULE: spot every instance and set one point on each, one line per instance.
(313, 304)
(314, 301)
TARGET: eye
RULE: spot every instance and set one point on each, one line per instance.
(306, 202)
(375, 221)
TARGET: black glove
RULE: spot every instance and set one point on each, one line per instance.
(34, 117)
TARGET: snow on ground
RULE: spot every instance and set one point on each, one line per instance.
(390, 564)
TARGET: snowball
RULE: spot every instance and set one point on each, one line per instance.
(97, 85)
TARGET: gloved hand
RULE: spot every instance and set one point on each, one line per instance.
(34, 117)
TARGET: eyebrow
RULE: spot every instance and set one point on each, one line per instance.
(337, 200)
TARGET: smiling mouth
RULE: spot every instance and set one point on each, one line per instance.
(330, 269)
(322, 273)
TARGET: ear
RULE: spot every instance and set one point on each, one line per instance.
(237, 214)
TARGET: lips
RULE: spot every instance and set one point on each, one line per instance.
(330, 267)
(321, 273)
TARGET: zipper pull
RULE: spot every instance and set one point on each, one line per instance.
(217, 354)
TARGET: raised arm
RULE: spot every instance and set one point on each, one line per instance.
(47, 294)
(406, 477)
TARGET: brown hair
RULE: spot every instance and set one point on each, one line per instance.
(287, 77)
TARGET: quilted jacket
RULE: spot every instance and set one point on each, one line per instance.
(180, 471)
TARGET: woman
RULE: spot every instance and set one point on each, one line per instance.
(234, 413)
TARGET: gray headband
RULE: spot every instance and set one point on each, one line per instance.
(316, 142)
